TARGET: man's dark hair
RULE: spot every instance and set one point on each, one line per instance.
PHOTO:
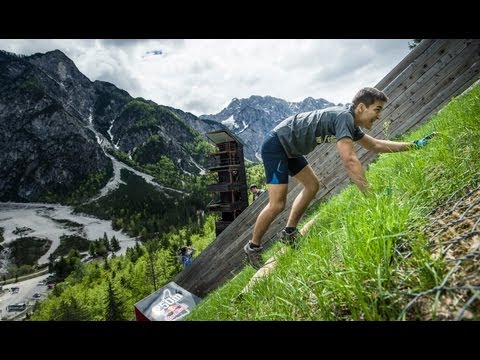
(182, 250)
(368, 96)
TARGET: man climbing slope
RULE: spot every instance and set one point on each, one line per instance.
(284, 149)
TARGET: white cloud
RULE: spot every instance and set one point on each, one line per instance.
(203, 75)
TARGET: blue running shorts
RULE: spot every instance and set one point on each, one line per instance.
(276, 162)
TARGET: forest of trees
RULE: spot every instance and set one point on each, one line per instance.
(107, 287)
(102, 286)
(141, 210)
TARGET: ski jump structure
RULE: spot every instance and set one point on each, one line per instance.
(420, 85)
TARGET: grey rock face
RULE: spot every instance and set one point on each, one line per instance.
(68, 85)
(42, 146)
(48, 114)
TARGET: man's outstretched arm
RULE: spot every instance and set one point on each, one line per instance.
(383, 146)
(387, 146)
(351, 163)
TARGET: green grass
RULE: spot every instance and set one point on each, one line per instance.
(365, 253)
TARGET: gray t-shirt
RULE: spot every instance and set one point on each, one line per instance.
(301, 133)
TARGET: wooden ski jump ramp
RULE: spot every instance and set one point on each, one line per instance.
(424, 81)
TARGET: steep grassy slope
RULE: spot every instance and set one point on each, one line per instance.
(371, 257)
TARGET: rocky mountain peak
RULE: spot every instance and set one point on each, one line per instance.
(58, 65)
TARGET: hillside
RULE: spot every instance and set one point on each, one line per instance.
(408, 251)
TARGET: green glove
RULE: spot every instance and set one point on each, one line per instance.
(417, 144)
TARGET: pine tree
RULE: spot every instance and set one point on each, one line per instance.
(91, 249)
(106, 242)
(114, 307)
(164, 243)
(106, 264)
(188, 235)
(172, 260)
(131, 255)
(51, 263)
(152, 248)
(71, 310)
(114, 244)
(139, 249)
(101, 249)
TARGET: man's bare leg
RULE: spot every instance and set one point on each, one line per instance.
(311, 185)
(277, 195)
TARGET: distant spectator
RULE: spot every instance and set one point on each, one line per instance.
(256, 191)
(185, 254)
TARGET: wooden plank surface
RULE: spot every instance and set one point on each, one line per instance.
(424, 45)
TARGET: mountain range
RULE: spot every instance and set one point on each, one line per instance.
(59, 130)
(57, 127)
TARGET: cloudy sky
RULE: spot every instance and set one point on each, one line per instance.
(202, 76)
